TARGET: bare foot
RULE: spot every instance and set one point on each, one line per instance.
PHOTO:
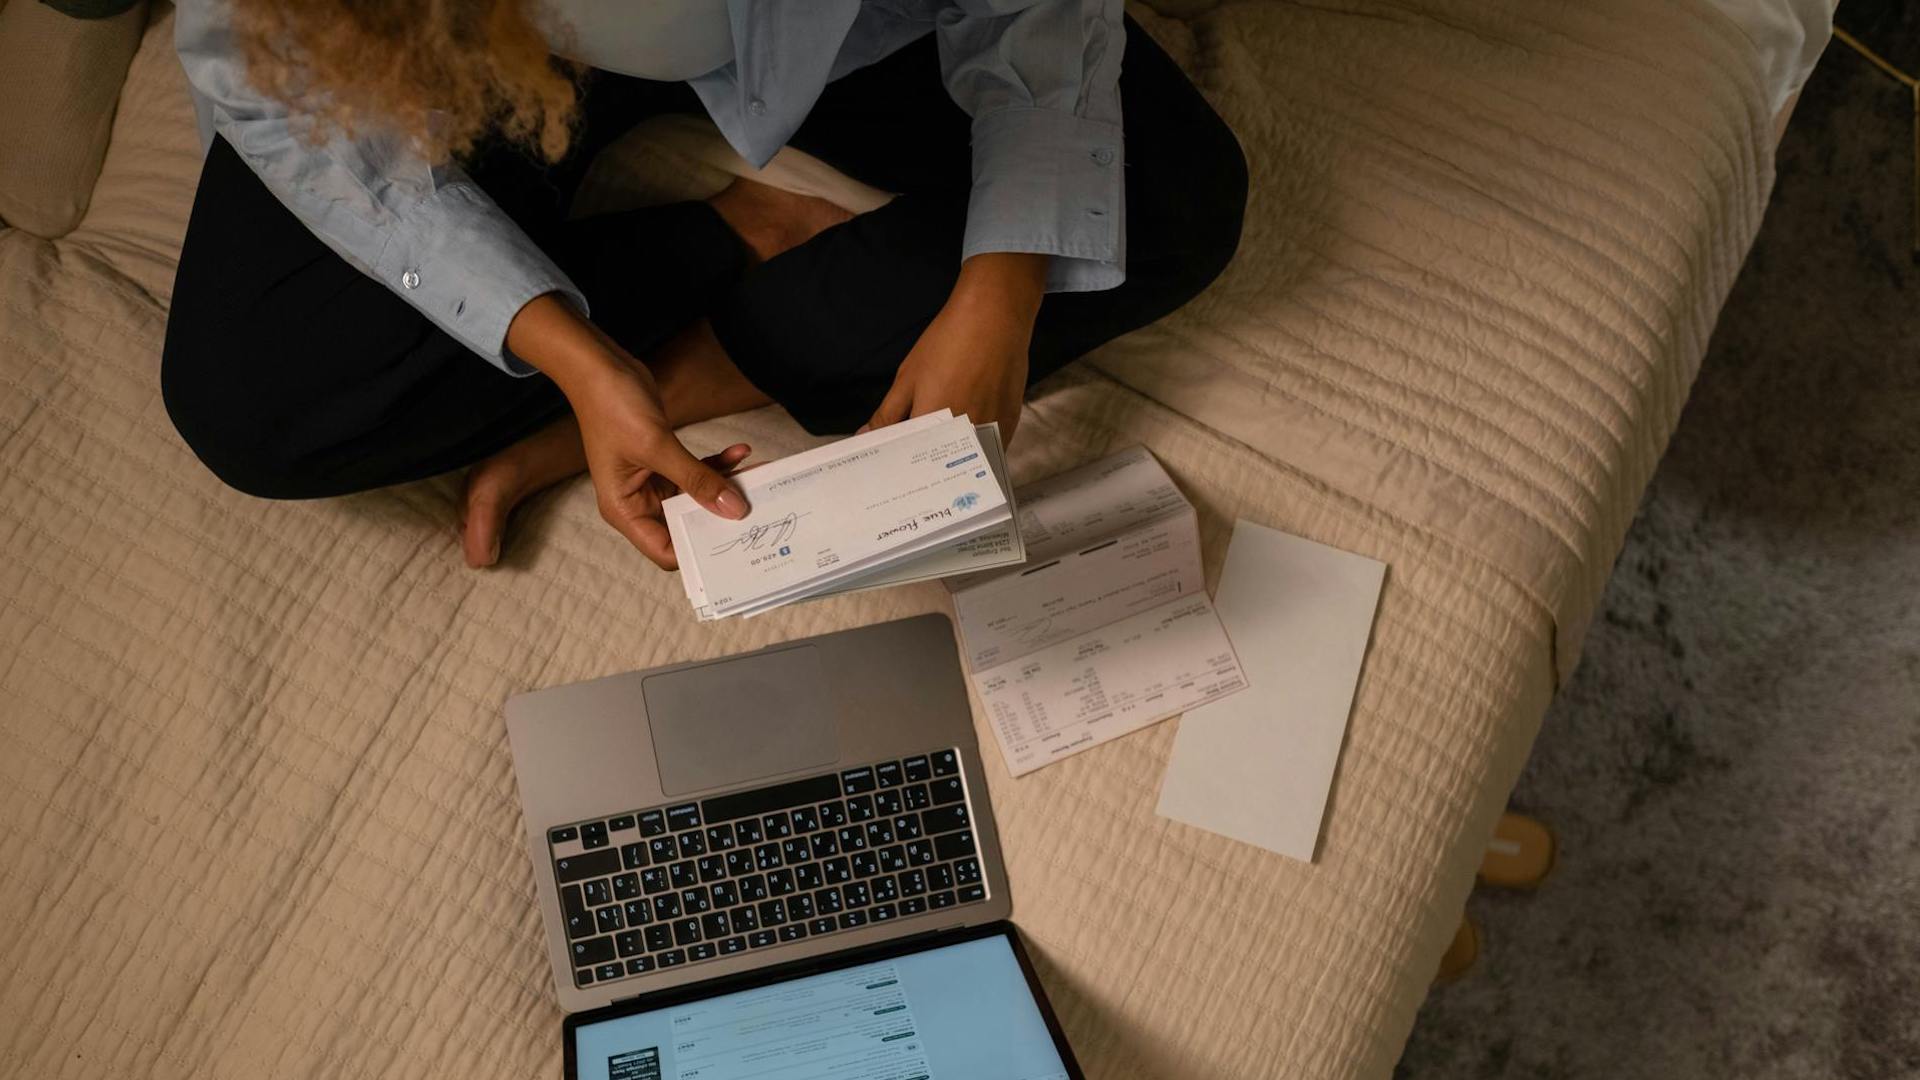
(771, 220)
(500, 483)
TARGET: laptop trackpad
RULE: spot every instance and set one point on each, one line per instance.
(741, 719)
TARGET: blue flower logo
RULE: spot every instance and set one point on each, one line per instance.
(966, 502)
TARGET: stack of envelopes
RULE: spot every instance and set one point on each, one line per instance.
(917, 500)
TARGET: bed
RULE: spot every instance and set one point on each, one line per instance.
(256, 810)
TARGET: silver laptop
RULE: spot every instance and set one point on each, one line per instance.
(788, 808)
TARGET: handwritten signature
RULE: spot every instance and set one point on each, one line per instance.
(764, 535)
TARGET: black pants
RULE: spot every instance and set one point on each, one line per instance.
(293, 375)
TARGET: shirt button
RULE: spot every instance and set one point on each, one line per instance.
(410, 279)
(757, 107)
(1103, 156)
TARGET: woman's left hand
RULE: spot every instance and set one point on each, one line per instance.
(973, 357)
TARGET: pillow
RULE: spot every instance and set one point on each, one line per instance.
(60, 77)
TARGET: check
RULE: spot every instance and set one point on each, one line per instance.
(836, 513)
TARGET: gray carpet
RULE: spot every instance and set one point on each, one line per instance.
(1734, 771)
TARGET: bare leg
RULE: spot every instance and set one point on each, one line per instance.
(697, 380)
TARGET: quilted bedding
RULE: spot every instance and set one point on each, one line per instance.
(256, 810)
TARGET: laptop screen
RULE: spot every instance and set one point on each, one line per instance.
(955, 1012)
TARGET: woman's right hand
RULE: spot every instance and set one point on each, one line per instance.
(634, 457)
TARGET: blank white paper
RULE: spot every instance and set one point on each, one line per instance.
(1257, 766)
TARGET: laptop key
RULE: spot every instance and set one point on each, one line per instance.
(593, 835)
(855, 781)
(626, 886)
(629, 943)
(695, 901)
(753, 889)
(732, 945)
(920, 853)
(795, 851)
(885, 889)
(592, 951)
(653, 823)
(702, 951)
(865, 864)
(888, 774)
(586, 865)
(824, 844)
(913, 905)
(609, 971)
(653, 880)
(856, 895)
(792, 932)
(725, 894)
(973, 893)
(666, 906)
(888, 803)
(805, 819)
(621, 823)
(944, 818)
(684, 816)
(833, 814)
(852, 837)
(686, 931)
(906, 827)
(781, 883)
(633, 856)
(827, 901)
(940, 877)
(966, 871)
(822, 925)
(945, 762)
(941, 900)
(672, 958)
(947, 791)
(917, 797)
(913, 883)
(838, 871)
(766, 857)
(662, 849)
(860, 808)
(693, 842)
(879, 832)
(583, 977)
(776, 826)
(712, 868)
(596, 893)
(739, 862)
(761, 939)
(608, 920)
(719, 837)
(954, 845)
(808, 876)
(561, 836)
(772, 912)
(747, 831)
(882, 913)
(800, 908)
(744, 920)
(683, 875)
(658, 936)
(917, 769)
(640, 965)
(851, 919)
(638, 912)
(714, 925)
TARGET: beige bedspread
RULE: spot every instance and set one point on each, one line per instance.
(257, 816)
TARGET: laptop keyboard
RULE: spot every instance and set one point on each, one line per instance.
(682, 883)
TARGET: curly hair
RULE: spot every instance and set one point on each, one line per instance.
(440, 73)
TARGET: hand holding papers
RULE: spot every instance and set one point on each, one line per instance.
(919, 499)
(1107, 628)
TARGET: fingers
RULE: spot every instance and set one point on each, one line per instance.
(702, 480)
(893, 408)
(726, 460)
(646, 533)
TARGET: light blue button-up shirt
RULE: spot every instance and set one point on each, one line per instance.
(1039, 77)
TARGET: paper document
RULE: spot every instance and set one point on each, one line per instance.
(1107, 628)
(1258, 767)
(920, 499)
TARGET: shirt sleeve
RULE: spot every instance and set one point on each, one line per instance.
(1041, 79)
(425, 231)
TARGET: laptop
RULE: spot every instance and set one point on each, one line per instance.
(778, 864)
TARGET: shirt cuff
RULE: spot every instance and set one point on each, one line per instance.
(1051, 183)
(469, 268)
